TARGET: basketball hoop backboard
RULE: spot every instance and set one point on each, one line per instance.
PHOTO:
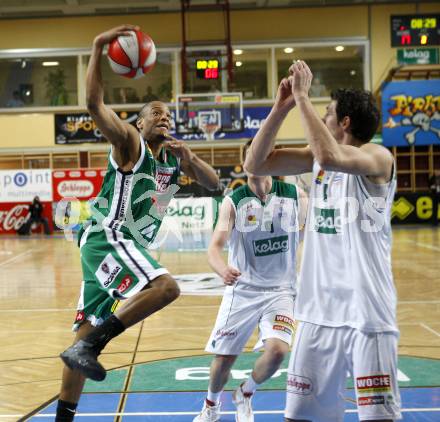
(210, 113)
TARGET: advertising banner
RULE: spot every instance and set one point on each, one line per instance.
(231, 177)
(18, 186)
(13, 215)
(253, 119)
(414, 208)
(189, 214)
(411, 113)
(187, 225)
(78, 128)
(82, 184)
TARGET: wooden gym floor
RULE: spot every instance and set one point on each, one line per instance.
(39, 285)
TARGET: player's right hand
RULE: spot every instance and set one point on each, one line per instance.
(230, 275)
(285, 99)
(108, 36)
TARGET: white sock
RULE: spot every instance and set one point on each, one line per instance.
(214, 397)
(249, 386)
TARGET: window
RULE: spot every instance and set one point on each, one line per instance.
(156, 85)
(213, 78)
(52, 79)
(332, 69)
(38, 82)
(251, 73)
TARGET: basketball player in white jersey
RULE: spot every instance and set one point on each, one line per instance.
(261, 221)
(346, 301)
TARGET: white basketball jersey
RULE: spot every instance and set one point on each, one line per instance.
(264, 239)
(346, 277)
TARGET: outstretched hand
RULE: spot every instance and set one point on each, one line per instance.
(179, 148)
(107, 36)
(300, 79)
(285, 99)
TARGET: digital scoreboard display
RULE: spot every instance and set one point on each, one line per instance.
(415, 30)
(207, 68)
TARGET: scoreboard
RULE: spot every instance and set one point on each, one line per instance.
(207, 68)
(415, 30)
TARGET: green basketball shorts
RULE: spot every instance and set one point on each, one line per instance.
(115, 267)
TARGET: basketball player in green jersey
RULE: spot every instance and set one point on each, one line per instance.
(125, 218)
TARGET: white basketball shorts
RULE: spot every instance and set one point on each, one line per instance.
(242, 309)
(320, 360)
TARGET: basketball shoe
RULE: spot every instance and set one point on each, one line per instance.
(208, 414)
(243, 405)
(82, 357)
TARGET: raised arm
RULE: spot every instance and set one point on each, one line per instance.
(262, 158)
(120, 134)
(219, 238)
(192, 165)
(368, 159)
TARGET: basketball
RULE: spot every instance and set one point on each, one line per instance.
(132, 56)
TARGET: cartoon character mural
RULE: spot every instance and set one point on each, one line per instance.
(411, 113)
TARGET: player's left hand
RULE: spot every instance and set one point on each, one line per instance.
(301, 79)
(179, 148)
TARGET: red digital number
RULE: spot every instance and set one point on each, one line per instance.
(405, 39)
(211, 73)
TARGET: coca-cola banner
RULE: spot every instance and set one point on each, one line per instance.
(24, 185)
(81, 184)
(13, 215)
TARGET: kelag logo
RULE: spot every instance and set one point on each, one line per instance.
(327, 220)
(20, 179)
(271, 246)
(197, 212)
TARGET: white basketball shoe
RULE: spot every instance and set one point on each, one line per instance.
(243, 405)
(208, 414)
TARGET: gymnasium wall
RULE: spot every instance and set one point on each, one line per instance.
(370, 22)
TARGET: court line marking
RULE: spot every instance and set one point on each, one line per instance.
(422, 245)
(403, 302)
(430, 329)
(16, 257)
(66, 330)
(205, 327)
(256, 412)
(74, 309)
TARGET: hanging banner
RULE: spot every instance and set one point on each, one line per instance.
(78, 128)
(253, 119)
(24, 185)
(411, 113)
(231, 177)
(82, 184)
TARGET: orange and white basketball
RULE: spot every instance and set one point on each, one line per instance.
(132, 55)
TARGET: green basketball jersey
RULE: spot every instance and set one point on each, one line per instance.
(264, 239)
(134, 202)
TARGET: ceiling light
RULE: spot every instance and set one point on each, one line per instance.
(51, 63)
(238, 64)
(288, 50)
(238, 51)
(339, 48)
(352, 72)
